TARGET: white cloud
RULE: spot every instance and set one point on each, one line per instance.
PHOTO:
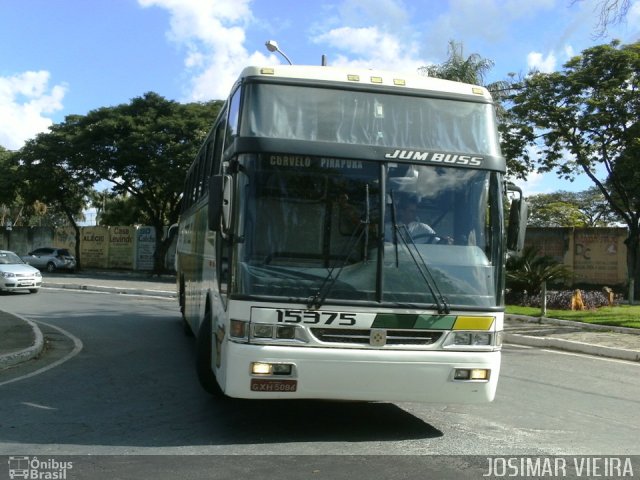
(213, 34)
(536, 61)
(369, 47)
(25, 101)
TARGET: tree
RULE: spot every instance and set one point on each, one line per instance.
(8, 187)
(13, 205)
(554, 210)
(144, 149)
(585, 120)
(473, 69)
(48, 175)
(611, 12)
(118, 209)
(13, 209)
(570, 209)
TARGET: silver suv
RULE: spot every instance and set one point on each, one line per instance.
(51, 259)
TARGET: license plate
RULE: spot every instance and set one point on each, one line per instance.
(268, 385)
(25, 284)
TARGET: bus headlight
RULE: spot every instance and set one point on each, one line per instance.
(462, 338)
(261, 330)
(264, 332)
(469, 339)
(481, 339)
(287, 331)
(267, 368)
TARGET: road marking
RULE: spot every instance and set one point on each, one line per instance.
(595, 357)
(35, 405)
(153, 294)
(575, 354)
(516, 345)
(77, 348)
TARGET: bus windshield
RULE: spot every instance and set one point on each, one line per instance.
(337, 229)
(364, 118)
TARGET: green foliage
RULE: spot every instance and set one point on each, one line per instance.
(48, 175)
(118, 209)
(471, 69)
(144, 150)
(620, 316)
(583, 120)
(8, 185)
(570, 209)
(527, 272)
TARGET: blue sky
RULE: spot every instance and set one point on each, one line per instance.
(71, 56)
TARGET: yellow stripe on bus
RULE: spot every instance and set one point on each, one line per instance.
(473, 323)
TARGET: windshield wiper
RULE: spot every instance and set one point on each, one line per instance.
(394, 222)
(362, 230)
(402, 231)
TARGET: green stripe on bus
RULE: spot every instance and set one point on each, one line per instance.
(412, 321)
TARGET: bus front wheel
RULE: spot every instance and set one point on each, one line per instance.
(204, 357)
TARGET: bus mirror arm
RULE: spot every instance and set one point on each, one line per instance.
(517, 221)
(216, 186)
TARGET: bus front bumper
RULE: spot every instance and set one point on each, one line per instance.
(361, 374)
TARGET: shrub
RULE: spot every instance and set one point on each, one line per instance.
(526, 273)
(561, 299)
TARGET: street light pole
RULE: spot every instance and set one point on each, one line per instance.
(272, 46)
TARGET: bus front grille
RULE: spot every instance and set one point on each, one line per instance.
(362, 336)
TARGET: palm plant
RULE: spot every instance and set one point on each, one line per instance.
(527, 272)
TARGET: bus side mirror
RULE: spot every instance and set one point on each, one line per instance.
(517, 221)
(220, 194)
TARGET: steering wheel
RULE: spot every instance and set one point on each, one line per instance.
(424, 237)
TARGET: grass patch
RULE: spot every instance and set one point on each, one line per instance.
(619, 316)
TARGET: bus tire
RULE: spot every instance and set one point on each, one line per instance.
(204, 356)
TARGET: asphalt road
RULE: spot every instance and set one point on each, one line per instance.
(118, 377)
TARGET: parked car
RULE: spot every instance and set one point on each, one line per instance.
(16, 274)
(51, 259)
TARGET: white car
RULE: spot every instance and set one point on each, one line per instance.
(51, 259)
(15, 275)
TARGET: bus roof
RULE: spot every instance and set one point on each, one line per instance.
(363, 76)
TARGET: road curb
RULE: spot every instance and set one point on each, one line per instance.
(15, 358)
(571, 323)
(114, 290)
(572, 346)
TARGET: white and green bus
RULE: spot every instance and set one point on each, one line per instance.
(297, 269)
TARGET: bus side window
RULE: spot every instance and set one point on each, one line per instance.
(233, 118)
(217, 148)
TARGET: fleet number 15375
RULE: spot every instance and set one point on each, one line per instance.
(316, 318)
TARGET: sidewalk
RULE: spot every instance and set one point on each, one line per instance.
(133, 283)
(613, 342)
(21, 339)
